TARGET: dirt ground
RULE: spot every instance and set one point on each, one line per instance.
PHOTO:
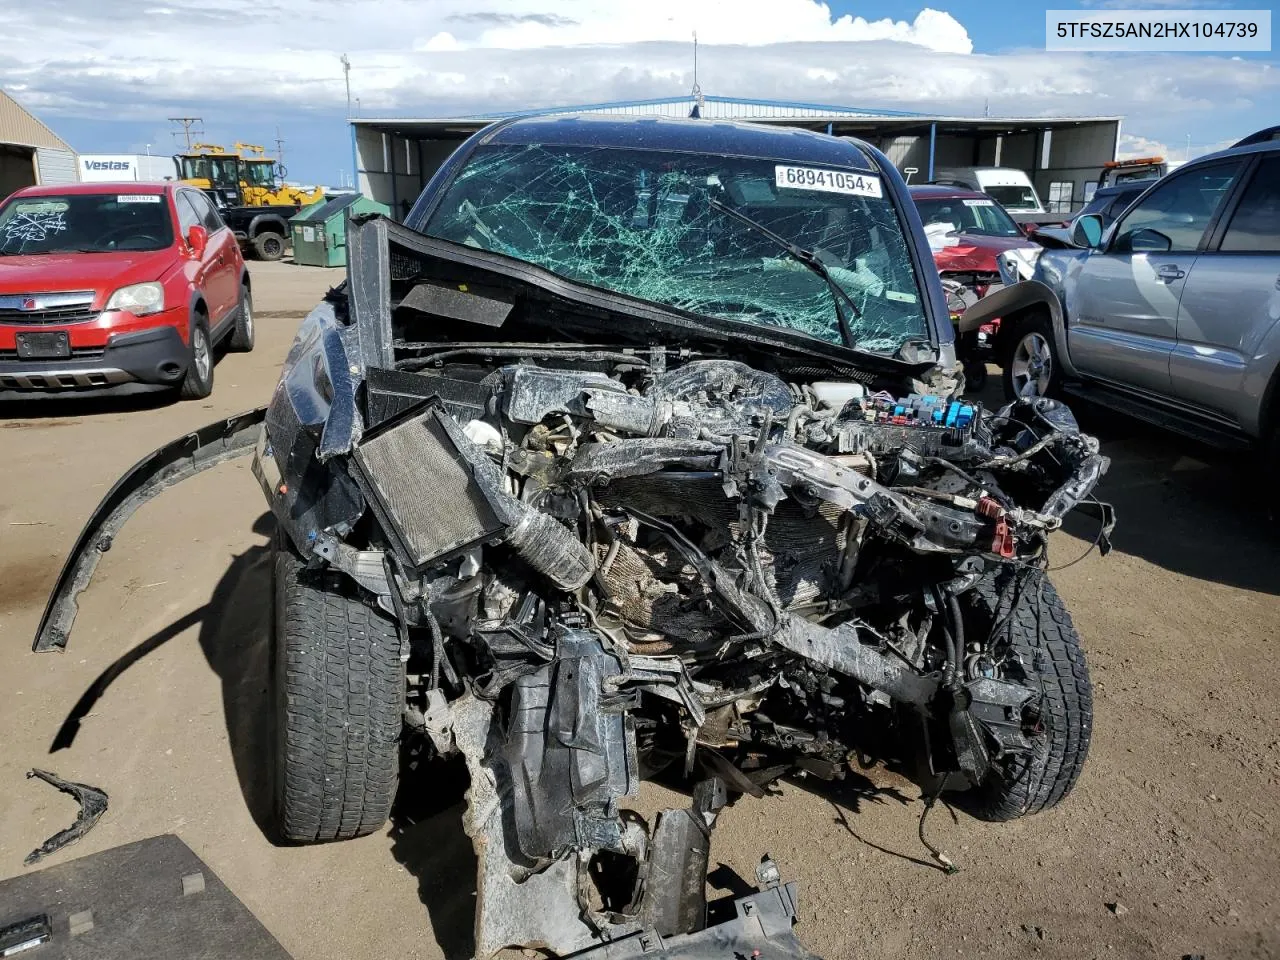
(160, 699)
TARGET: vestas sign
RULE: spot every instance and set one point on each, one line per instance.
(108, 167)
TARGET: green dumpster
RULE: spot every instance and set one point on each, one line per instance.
(320, 229)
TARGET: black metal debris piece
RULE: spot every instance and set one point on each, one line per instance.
(761, 927)
(93, 804)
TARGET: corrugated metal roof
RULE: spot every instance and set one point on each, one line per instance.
(731, 108)
(20, 126)
(716, 108)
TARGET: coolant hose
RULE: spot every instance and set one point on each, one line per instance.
(549, 547)
(957, 639)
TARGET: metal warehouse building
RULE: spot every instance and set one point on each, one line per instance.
(30, 152)
(394, 158)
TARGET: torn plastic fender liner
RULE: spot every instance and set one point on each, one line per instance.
(93, 804)
(153, 474)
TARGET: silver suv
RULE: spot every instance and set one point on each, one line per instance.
(1171, 314)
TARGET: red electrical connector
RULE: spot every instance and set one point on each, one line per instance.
(988, 508)
(1002, 545)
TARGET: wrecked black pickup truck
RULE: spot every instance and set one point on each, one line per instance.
(638, 452)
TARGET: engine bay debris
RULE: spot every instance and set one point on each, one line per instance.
(614, 562)
(619, 543)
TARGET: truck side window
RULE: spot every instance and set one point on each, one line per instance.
(1255, 226)
(1120, 204)
(187, 216)
(208, 215)
(1173, 217)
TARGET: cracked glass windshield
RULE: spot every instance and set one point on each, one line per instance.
(642, 223)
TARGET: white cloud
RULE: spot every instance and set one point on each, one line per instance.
(524, 25)
(1158, 4)
(439, 43)
(1132, 146)
(278, 59)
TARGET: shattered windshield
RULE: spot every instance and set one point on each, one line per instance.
(642, 223)
(85, 223)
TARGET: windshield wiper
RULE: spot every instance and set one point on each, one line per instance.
(809, 259)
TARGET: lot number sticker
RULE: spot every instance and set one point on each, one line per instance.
(979, 203)
(832, 181)
(138, 198)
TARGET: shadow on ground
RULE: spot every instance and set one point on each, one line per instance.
(236, 639)
(1180, 505)
(429, 842)
(61, 406)
(1187, 508)
(65, 404)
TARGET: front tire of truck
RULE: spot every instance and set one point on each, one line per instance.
(1031, 365)
(339, 688)
(1044, 652)
(268, 246)
(1271, 464)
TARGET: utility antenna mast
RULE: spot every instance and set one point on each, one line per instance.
(346, 78)
(698, 100)
(187, 123)
(279, 148)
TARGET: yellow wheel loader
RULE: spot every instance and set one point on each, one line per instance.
(248, 188)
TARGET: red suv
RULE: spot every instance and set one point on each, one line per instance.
(121, 287)
(967, 231)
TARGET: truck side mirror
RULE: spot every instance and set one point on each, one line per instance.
(1087, 231)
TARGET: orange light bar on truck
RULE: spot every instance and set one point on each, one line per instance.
(1139, 162)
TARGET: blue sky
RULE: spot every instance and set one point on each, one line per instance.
(249, 67)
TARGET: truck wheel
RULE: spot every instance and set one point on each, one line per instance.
(268, 246)
(1031, 367)
(1045, 654)
(975, 376)
(198, 382)
(242, 335)
(339, 698)
(1271, 464)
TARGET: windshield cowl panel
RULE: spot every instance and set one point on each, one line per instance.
(651, 224)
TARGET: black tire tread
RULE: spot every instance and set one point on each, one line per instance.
(241, 339)
(1043, 636)
(1270, 465)
(192, 387)
(339, 703)
(260, 243)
